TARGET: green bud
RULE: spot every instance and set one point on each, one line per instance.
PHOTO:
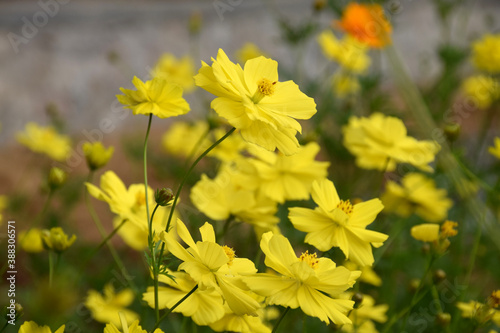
(96, 155)
(443, 319)
(57, 177)
(439, 276)
(163, 196)
(55, 239)
(452, 131)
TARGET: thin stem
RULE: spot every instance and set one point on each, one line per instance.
(51, 267)
(174, 307)
(145, 159)
(106, 240)
(275, 329)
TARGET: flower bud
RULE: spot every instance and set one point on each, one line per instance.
(57, 177)
(163, 196)
(358, 299)
(452, 131)
(439, 276)
(96, 155)
(195, 22)
(443, 319)
(414, 284)
(56, 240)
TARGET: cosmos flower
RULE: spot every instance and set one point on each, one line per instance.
(45, 140)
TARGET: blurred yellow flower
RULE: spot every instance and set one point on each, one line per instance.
(348, 52)
(31, 240)
(249, 51)
(157, 96)
(182, 138)
(178, 71)
(203, 306)
(56, 239)
(232, 322)
(486, 53)
(132, 328)
(482, 90)
(367, 23)
(482, 313)
(57, 177)
(213, 267)
(495, 150)
(338, 223)
(255, 102)
(308, 282)
(416, 194)
(96, 155)
(365, 314)
(32, 327)
(105, 308)
(426, 232)
(345, 85)
(381, 142)
(45, 140)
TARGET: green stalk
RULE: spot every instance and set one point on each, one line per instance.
(174, 307)
(51, 267)
(275, 329)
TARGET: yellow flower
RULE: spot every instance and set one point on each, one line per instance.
(178, 71)
(486, 53)
(307, 282)
(380, 142)
(365, 314)
(132, 328)
(482, 90)
(96, 155)
(105, 308)
(345, 85)
(288, 177)
(32, 327)
(482, 313)
(249, 51)
(56, 239)
(157, 96)
(45, 140)
(182, 138)
(436, 234)
(426, 232)
(57, 177)
(367, 23)
(255, 102)
(416, 194)
(495, 150)
(31, 240)
(213, 267)
(348, 52)
(232, 322)
(203, 306)
(368, 275)
(130, 204)
(338, 223)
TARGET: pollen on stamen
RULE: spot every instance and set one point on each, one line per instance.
(346, 207)
(266, 87)
(310, 259)
(229, 253)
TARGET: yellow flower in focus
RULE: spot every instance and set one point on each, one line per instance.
(249, 51)
(178, 71)
(213, 267)
(367, 23)
(365, 314)
(338, 223)
(132, 328)
(486, 53)
(105, 308)
(308, 282)
(32, 327)
(345, 85)
(288, 177)
(31, 240)
(45, 140)
(417, 194)
(255, 102)
(203, 306)
(55, 239)
(157, 96)
(96, 155)
(348, 52)
(482, 90)
(380, 142)
(495, 150)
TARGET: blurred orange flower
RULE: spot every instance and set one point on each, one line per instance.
(367, 23)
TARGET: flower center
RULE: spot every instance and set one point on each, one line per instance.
(310, 259)
(229, 253)
(264, 88)
(346, 207)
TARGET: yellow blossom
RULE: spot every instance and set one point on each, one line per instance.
(426, 232)
(31, 240)
(157, 96)
(416, 194)
(178, 71)
(486, 53)
(482, 313)
(56, 239)
(45, 140)
(255, 102)
(96, 155)
(105, 308)
(308, 282)
(365, 314)
(338, 223)
(381, 142)
(482, 90)
(32, 327)
(495, 150)
(183, 138)
(132, 328)
(345, 85)
(213, 266)
(348, 52)
(249, 51)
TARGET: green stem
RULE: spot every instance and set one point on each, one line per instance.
(174, 307)
(393, 234)
(51, 267)
(275, 329)
(227, 224)
(106, 240)
(145, 159)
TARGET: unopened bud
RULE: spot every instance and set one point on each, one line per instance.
(57, 177)
(358, 299)
(452, 131)
(439, 276)
(414, 284)
(164, 196)
(443, 319)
